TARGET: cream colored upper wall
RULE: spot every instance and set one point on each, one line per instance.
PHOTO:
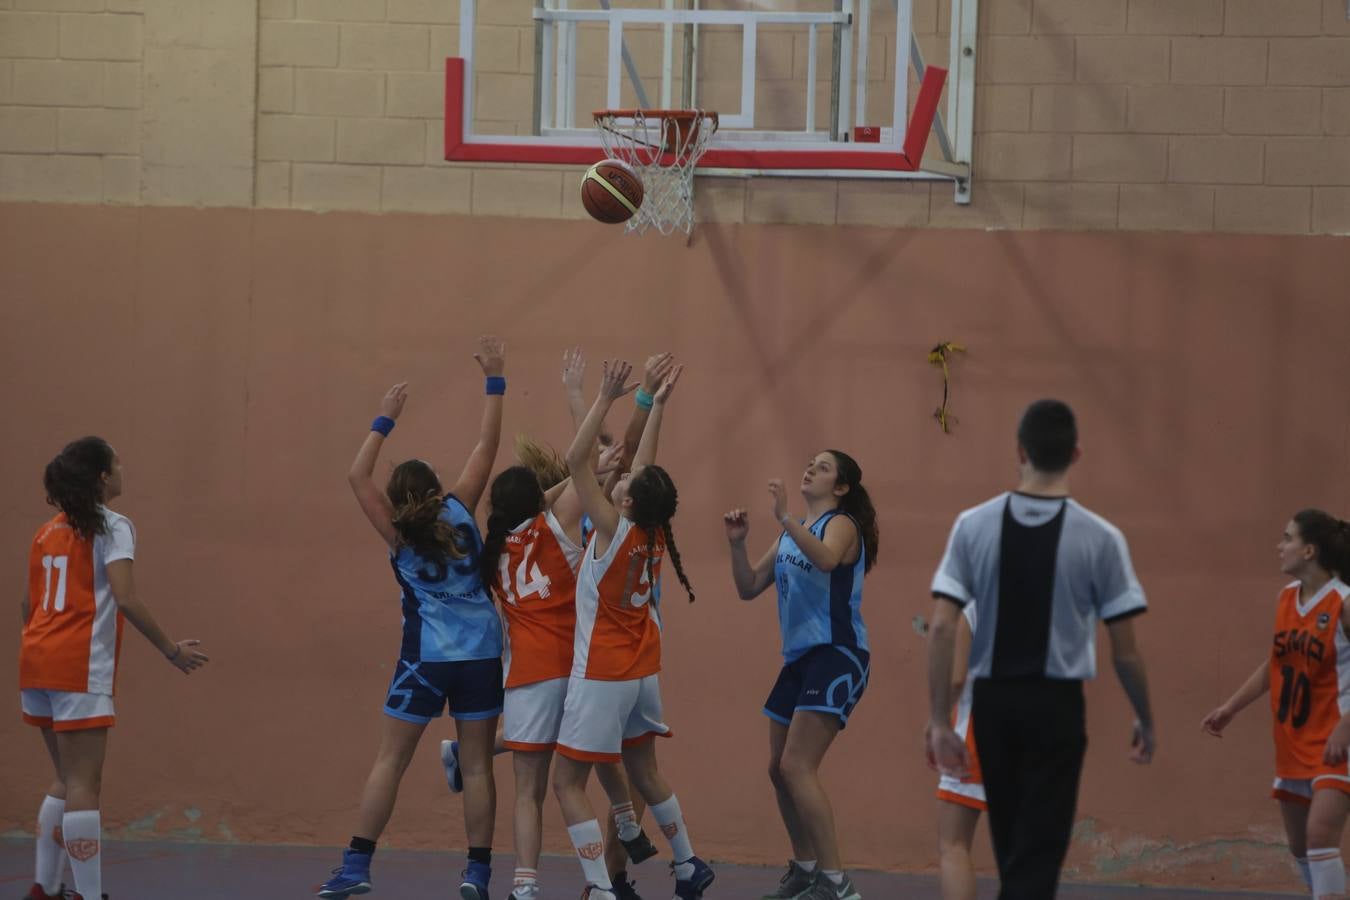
(1230, 115)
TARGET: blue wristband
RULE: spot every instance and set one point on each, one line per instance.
(496, 384)
(382, 424)
(643, 399)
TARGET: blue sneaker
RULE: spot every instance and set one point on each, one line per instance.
(476, 878)
(352, 877)
(450, 759)
(692, 888)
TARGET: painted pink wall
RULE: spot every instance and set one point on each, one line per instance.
(235, 357)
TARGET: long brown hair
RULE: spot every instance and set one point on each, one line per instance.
(416, 494)
(74, 483)
(858, 504)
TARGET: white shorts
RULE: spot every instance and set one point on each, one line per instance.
(533, 714)
(66, 710)
(600, 718)
(1300, 790)
(964, 793)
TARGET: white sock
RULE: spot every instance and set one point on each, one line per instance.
(806, 865)
(1302, 863)
(1328, 872)
(668, 816)
(51, 850)
(84, 845)
(625, 820)
(836, 876)
(525, 885)
(590, 847)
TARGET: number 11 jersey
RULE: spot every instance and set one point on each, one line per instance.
(1309, 680)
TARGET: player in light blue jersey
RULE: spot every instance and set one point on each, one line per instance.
(452, 636)
(818, 566)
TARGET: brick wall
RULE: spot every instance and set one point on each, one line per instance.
(1196, 115)
(70, 100)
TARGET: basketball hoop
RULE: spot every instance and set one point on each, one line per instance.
(664, 146)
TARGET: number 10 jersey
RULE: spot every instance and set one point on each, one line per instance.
(1309, 679)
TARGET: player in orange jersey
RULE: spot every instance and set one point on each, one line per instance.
(1307, 676)
(960, 800)
(80, 588)
(531, 553)
(613, 706)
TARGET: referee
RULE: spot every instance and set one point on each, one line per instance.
(1041, 570)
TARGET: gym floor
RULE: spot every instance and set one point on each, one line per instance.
(174, 871)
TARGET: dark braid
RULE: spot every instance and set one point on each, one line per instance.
(675, 558)
(654, 502)
(73, 481)
(515, 497)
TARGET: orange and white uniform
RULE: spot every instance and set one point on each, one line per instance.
(968, 791)
(536, 587)
(1309, 689)
(613, 696)
(73, 636)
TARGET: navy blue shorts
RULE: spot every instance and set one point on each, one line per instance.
(472, 689)
(827, 679)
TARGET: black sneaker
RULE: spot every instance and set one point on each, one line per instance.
(639, 849)
(625, 889)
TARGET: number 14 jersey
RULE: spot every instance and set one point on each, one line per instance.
(537, 588)
(1309, 679)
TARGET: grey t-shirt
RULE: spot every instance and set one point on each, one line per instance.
(1041, 571)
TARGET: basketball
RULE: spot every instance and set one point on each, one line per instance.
(611, 191)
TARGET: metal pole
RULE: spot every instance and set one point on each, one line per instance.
(690, 60)
(537, 113)
(837, 55)
(632, 69)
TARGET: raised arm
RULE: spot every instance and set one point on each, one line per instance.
(751, 581)
(603, 515)
(651, 432)
(653, 376)
(574, 378)
(183, 654)
(372, 500)
(840, 545)
(491, 356)
(1129, 665)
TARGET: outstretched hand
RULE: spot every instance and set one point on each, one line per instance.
(656, 370)
(779, 495)
(187, 658)
(668, 385)
(491, 355)
(574, 370)
(611, 459)
(738, 525)
(392, 403)
(614, 384)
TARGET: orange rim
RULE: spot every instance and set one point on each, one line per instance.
(679, 127)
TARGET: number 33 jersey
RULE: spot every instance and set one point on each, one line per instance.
(537, 585)
(1309, 679)
(74, 629)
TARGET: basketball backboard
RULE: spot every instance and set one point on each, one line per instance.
(840, 88)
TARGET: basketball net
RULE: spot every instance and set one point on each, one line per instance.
(663, 146)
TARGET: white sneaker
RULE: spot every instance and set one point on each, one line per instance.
(450, 759)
